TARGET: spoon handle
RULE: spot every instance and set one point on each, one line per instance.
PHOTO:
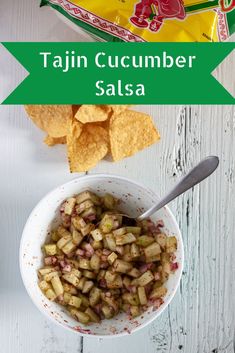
(202, 170)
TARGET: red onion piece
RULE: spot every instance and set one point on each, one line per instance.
(50, 260)
(60, 298)
(148, 288)
(156, 303)
(89, 249)
(91, 217)
(66, 219)
(62, 207)
(174, 266)
(97, 308)
(104, 265)
(102, 283)
(132, 289)
(157, 276)
(106, 252)
(80, 252)
(145, 267)
(104, 258)
(63, 263)
(67, 268)
(120, 249)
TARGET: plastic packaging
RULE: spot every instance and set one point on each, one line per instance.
(151, 20)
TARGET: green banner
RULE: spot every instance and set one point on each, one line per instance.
(120, 73)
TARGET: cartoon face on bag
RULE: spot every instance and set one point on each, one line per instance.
(151, 13)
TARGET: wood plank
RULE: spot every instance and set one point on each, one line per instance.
(29, 169)
(199, 318)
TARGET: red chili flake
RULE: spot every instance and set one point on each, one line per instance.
(82, 330)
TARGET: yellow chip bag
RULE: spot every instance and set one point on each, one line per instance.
(131, 132)
(52, 141)
(53, 119)
(92, 113)
(86, 149)
(151, 20)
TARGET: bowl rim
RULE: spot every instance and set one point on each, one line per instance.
(163, 306)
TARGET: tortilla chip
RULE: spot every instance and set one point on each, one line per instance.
(117, 109)
(92, 113)
(52, 141)
(51, 118)
(86, 150)
(104, 125)
(131, 132)
(75, 108)
(74, 129)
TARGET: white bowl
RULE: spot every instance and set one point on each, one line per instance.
(135, 197)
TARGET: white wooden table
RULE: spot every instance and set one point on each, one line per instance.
(201, 317)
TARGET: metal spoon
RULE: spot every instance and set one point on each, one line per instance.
(202, 170)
